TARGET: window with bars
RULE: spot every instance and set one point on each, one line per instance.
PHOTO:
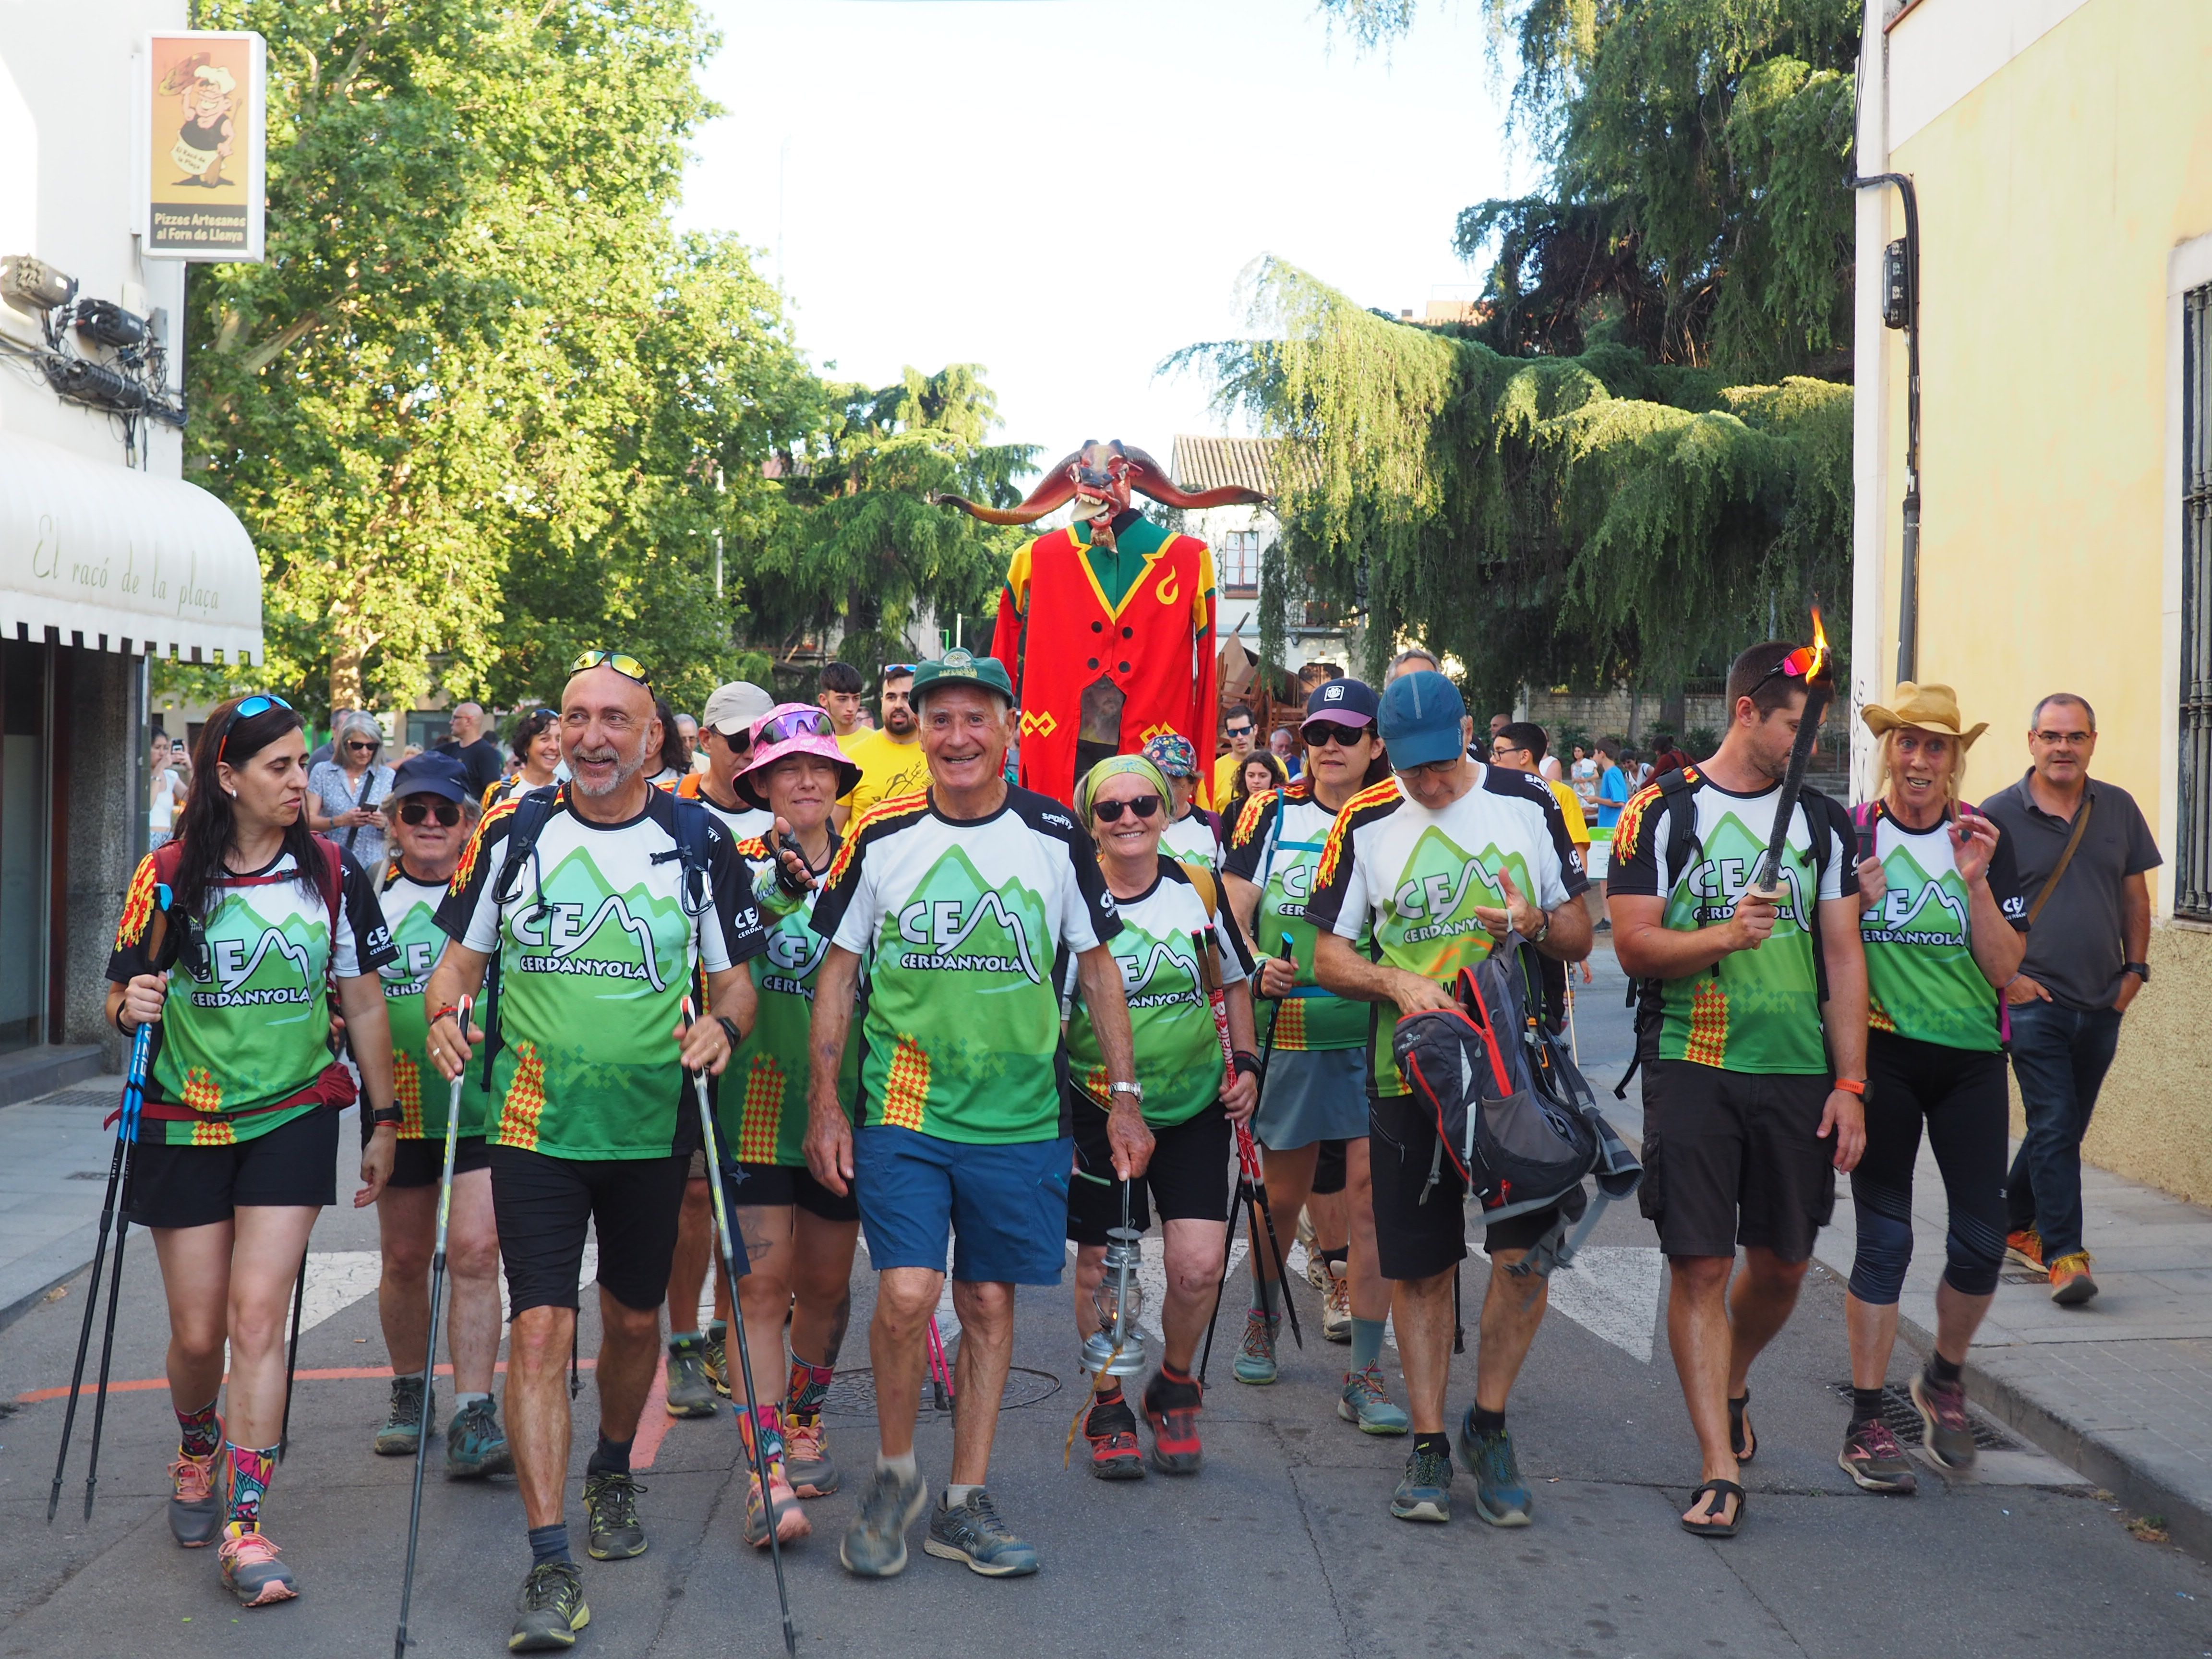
(2192, 896)
(1236, 563)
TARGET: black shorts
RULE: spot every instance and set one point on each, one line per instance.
(422, 1163)
(775, 1185)
(544, 1206)
(1328, 1170)
(1420, 1231)
(1734, 1158)
(1187, 1178)
(295, 1164)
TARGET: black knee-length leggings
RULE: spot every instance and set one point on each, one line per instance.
(1960, 1093)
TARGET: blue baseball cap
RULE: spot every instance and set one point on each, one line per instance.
(1348, 703)
(1421, 720)
(433, 773)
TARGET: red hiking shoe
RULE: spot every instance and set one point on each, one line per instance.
(1111, 1429)
(1171, 1406)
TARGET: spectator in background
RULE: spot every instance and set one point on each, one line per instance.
(1260, 773)
(1284, 744)
(1498, 723)
(1192, 833)
(687, 728)
(671, 763)
(1240, 732)
(841, 698)
(1666, 755)
(1611, 796)
(534, 746)
(1413, 660)
(1582, 775)
(346, 795)
(168, 792)
(1522, 747)
(2082, 852)
(410, 751)
(479, 755)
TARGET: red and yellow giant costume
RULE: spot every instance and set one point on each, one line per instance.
(1106, 627)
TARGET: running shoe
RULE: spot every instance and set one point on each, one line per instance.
(1948, 1432)
(475, 1445)
(2071, 1284)
(690, 1390)
(1171, 1408)
(403, 1418)
(1872, 1457)
(611, 1513)
(717, 1355)
(1255, 1359)
(2026, 1247)
(874, 1546)
(806, 1456)
(1501, 1497)
(1316, 1269)
(1111, 1428)
(195, 1510)
(1423, 1491)
(551, 1610)
(971, 1531)
(791, 1521)
(1336, 1306)
(251, 1570)
(1364, 1402)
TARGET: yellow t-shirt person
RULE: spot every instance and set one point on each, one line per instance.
(888, 768)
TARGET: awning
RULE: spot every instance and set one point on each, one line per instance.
(113, 559)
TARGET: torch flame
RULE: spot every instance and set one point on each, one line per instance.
(1820, 647)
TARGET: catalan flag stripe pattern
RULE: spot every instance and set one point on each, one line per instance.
(525, 1103)
(762, 1125)
(907, 1090)
(1708, 1043)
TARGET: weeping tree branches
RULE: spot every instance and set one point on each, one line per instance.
(1578, 519)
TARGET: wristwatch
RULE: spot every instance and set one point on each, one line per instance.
(1136, 1088)
(2140, 969)
(1544, 932)
(380, 1115)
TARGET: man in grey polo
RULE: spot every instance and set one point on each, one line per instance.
(2087, 942)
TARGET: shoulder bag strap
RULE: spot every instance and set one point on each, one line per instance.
(2080, 824)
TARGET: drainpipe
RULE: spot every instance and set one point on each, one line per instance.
(1901, 309)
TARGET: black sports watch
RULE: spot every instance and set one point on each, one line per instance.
(2140, 969)
(380, 1115)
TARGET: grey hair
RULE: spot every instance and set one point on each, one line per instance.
(352, 720)
(2081, 703)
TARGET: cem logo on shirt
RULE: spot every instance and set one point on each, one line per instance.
(945, 925)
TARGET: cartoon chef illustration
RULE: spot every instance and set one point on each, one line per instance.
(203, 142)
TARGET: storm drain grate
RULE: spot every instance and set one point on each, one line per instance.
(1903, 1418)
(852, 1393)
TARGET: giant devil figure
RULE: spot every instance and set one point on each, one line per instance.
(1107, 626)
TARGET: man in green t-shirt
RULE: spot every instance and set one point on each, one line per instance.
(1751, 1082)
(967, 902)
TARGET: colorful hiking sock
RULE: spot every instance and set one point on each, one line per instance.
(808, 1387)
(1366, 1342)
(1267, 1296)
(611, 1457)
(549, 1543)
(1866, 1406)
(250, 1470)
(765, 1425)
(1488, 1423)
(1941, 1370)
(199, 1433)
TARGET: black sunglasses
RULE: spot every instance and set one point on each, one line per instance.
(1109, 812)
(1319, 733)
(447, 812)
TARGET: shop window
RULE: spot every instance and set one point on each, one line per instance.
(2193, 872)
(24, 798)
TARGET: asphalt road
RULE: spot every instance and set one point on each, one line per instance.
(1283, 1545)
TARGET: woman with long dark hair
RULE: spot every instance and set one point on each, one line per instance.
(255, 919)
(535, 744)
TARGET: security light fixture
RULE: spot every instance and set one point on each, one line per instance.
(33, 286)
(109, 324)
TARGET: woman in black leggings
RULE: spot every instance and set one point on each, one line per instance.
(1942, 926)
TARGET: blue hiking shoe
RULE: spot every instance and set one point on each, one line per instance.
(874, 1546)
(1255, 1359)
(973, 1532)
(1500, 1496)
(475, 1445)
(411, 1403)
(1423, 1491)
(1364, 1403)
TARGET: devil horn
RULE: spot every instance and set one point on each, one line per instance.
(1147, 474)
(1056, 488)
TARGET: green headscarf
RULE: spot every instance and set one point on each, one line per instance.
(1115, 766)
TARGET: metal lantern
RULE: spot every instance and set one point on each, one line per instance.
(1116, 1348)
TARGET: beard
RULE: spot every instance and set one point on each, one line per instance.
(626, 768)
(901, 723)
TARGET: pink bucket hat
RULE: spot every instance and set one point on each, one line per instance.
(792, 728)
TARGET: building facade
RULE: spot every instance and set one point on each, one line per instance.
(2060, 154)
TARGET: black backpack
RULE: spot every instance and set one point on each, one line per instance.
(1511, 1110)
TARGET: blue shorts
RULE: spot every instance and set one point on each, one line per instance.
(1005, 1207)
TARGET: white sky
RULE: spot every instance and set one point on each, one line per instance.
(927, 169)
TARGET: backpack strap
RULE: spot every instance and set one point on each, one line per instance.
(1209, 891)
(695, 852)
(1677, 790)
(528, 820)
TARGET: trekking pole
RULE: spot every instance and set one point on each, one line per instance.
(732, 1260)
(940, 1370)
(292, 1356)
(1248, 1159)
(575, 1359)
(430, 1351)
(1236, 1198)
(134, 1090)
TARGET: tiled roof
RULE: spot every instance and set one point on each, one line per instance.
(1206, 463)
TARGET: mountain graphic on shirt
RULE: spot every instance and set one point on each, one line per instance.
(250, 959)
(1731, 858)
(954, 919)
(1919, 907)
(587, 923)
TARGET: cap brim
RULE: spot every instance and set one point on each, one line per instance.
(1427, 750)
(1337, 717)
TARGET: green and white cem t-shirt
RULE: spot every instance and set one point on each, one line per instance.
(420, 1091)
(1921, 980)
(1276, 844)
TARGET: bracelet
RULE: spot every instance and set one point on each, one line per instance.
(730, 1030)
(118, 1022)
(1850, 1086)
(451, 1009)
(1136, 1088)
(1244, 1063)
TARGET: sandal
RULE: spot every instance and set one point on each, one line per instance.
(1743, 1439)
(1722, 1490)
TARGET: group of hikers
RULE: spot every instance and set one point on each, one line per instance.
(982, 1025)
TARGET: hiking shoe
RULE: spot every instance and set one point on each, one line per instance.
(1364, 1402)
(1872, 1457)
(1171, 1408)
(791, 1521)
(475, 1445)
(690, 1390)
(874, 1546)
(1111, 1428)
(1336, 1306)
(714, 1350)
(971, 1531)
(402, 1419)
(1423, 1492)
(1316, 1269)
(611, 1513)
(551, 1610)
(1255, 1358)
(806, 1456)
(1949, 1433)
(1500, 1496)
(251, 1570)
(2071, 1284)
(2026, 1247)
(195, 1510)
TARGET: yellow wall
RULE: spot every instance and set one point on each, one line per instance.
(2050, 197)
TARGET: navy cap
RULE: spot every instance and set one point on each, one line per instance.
(1348, 703)
(432, 774)
(1421, 720)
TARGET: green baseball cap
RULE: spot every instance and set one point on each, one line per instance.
(959, 667)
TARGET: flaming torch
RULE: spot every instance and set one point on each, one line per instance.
(1810, 664)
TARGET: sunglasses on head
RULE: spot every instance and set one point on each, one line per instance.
(1797, 665)
(260, 704)
(898, 670)
(1322, 732)
(621, 661)
(1109, 812)
(799, 723)
(414, 811)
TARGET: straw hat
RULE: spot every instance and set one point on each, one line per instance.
(1930, 707)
